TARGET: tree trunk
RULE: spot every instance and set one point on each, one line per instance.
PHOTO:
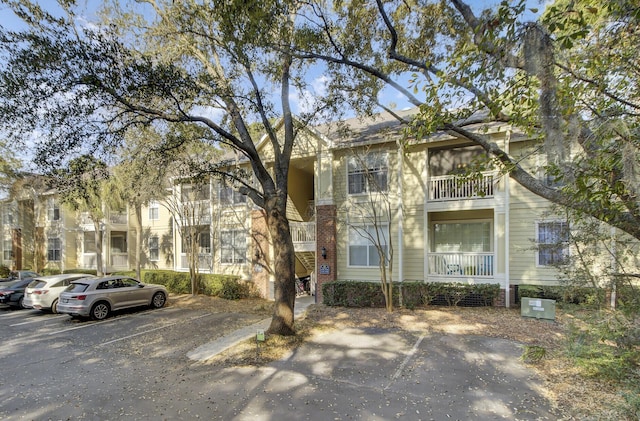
(284, 270)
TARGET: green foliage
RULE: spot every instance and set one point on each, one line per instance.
(414, 294)
(223, 286)
(87, 271)
(50, 271)
(4, 271)
(563, 294)
(533, 354)
(228, 287)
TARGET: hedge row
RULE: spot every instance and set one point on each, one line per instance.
(414, 294)
(563, 294)
(224, 286)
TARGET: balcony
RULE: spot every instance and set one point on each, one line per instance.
(205, 262)
(455, 187)
(118, 218)
(456, 265)
(303, 235)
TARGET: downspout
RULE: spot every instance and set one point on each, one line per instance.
(400, 219)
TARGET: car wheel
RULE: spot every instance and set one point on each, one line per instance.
(54, 306)
(100, 311)
(158, 300)
(20, 303)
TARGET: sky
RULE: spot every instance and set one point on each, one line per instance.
(299, 100)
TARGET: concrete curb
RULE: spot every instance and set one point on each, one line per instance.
(211, 349)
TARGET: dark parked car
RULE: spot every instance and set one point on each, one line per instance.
(12, 293)
(18, 275)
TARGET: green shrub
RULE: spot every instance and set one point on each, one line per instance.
(228, 287)
(224, 286)
(50, 271)
(87, 271)
(4, 271)
(563, 294)
(175, 282)
(414, 294)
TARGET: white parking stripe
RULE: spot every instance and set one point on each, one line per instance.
(150, 330)
(36, 320)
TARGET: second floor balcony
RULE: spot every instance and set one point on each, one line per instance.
(456, 187)
(303, 235)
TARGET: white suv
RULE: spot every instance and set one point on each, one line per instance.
(43, 292)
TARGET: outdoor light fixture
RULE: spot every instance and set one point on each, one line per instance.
(257, 254)
(323, 251)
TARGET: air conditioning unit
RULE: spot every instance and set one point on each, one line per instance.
(538, 308)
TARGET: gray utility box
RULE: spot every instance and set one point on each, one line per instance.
(539, 308)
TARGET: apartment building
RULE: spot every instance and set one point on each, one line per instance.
(348, 183)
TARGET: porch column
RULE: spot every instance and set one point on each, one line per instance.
(16, 244)
(325, 238)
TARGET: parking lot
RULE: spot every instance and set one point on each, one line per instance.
(56, 367)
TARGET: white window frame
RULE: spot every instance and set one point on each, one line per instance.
(53, 209)
(84, 242)
(154, 211)
(154, 248)
(564, 225)
(51, 250)
(237, 249)
(356, 239)
(228, 196)
(377, 166)
(7, 249)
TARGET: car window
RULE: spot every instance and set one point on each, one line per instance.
(59, 284)
(36, 284)
(129, 283)
(77, 287)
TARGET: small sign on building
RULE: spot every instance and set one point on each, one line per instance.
(324, 269)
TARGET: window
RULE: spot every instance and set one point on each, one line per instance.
(7, 249)
(553, 242)
(154, 249)
(362, 249)
(194, 192)
(154, 211)
(230, 196)
(54, 249)
(89, 242)
(233, 246)
(118, 242)
(203, 234)
(53, 210)
(367, 173)
(454, 237)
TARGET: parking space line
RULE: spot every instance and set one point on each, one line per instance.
(151, 330)
(37, 320)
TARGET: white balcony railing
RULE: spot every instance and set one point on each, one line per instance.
(119, 218)
(453, 187)
(303, 235)
(479, 265)
(119, 260)
(88, 261)
(205, 261)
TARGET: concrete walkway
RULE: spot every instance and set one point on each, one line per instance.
(209, 350)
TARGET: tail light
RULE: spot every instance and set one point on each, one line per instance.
(80, 297)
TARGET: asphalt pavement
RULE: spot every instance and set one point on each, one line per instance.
(378, 374)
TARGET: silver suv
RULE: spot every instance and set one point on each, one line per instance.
(98, 297)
